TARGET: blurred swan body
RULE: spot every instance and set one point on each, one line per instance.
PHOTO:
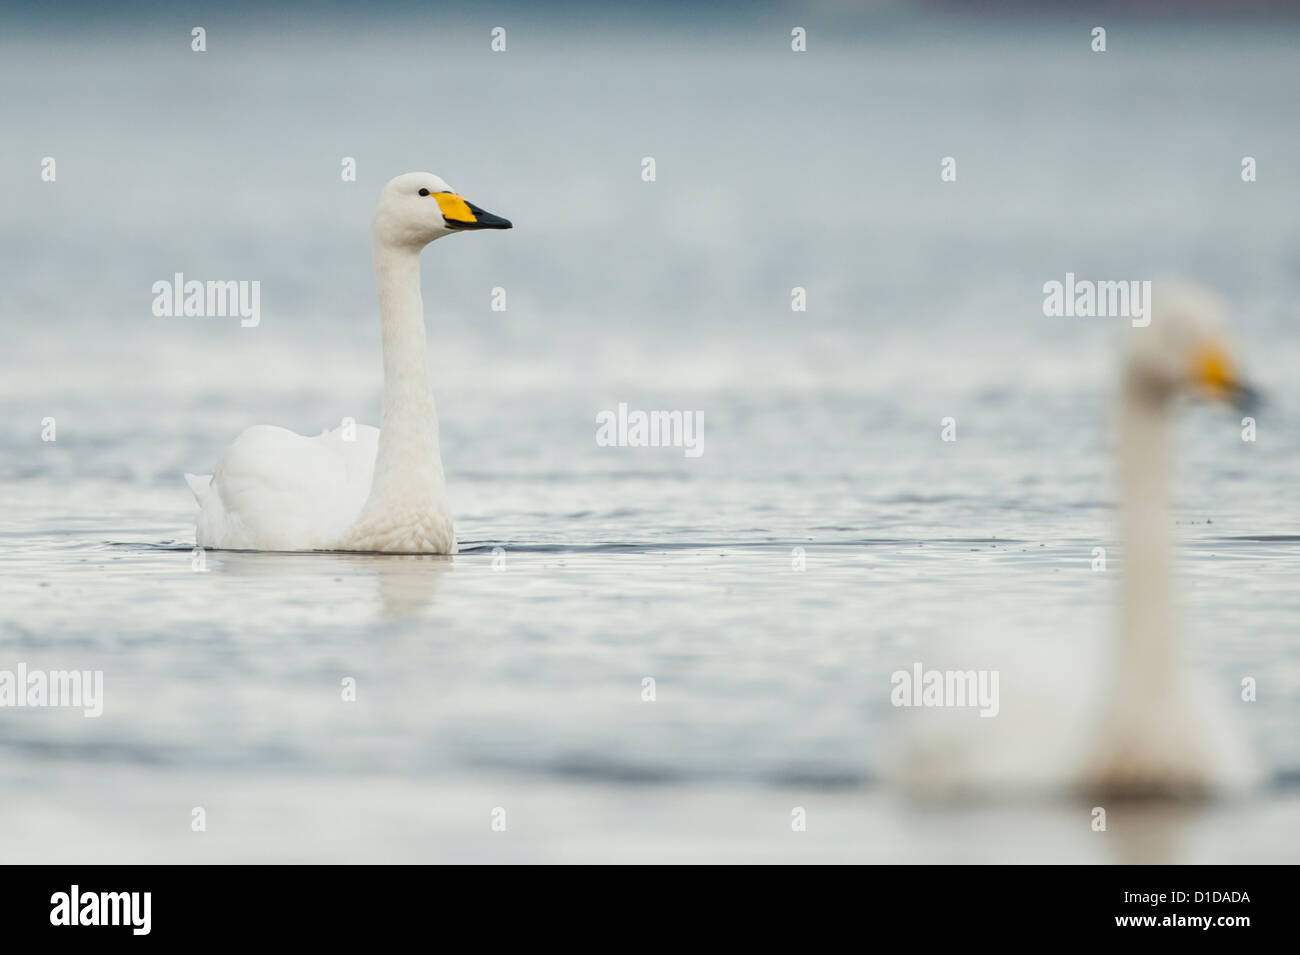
(358, 488)
(1133, 723)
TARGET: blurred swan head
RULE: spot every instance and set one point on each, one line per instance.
(1186, 350)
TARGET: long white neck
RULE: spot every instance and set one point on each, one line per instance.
(1146, 647)
(408, 463)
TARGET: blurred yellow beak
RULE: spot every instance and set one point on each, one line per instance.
(1213, 372)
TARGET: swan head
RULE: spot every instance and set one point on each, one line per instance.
(1186, 350)
(418, 207)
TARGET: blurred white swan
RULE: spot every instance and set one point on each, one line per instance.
(1131, 723)
(384, 491)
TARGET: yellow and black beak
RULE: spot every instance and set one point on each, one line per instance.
(1214, 374)
(459, 213)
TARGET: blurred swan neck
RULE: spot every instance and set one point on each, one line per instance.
(1147, 648)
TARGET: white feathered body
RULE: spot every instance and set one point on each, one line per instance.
(1063, 728)
(278, 490)
(274, 489)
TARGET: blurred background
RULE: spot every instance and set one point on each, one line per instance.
(519, 685)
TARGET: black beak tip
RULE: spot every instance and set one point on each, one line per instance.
(482, 220)
(1247, 399)
(487, 220)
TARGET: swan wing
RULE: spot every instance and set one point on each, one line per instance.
(275, 489)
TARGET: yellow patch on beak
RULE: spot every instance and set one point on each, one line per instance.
(1213, 371)
(454, 208)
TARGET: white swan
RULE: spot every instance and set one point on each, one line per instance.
(1131, 724)
(1157, 736)
(384, 491)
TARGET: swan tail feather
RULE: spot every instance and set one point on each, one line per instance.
(200, 485)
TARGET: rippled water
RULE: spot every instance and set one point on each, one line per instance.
(511, 675)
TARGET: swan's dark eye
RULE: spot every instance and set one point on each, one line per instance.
(424, 192)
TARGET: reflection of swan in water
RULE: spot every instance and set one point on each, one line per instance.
(405, 584)
(1140, 729)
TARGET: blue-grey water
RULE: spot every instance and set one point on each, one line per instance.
(511, 676)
